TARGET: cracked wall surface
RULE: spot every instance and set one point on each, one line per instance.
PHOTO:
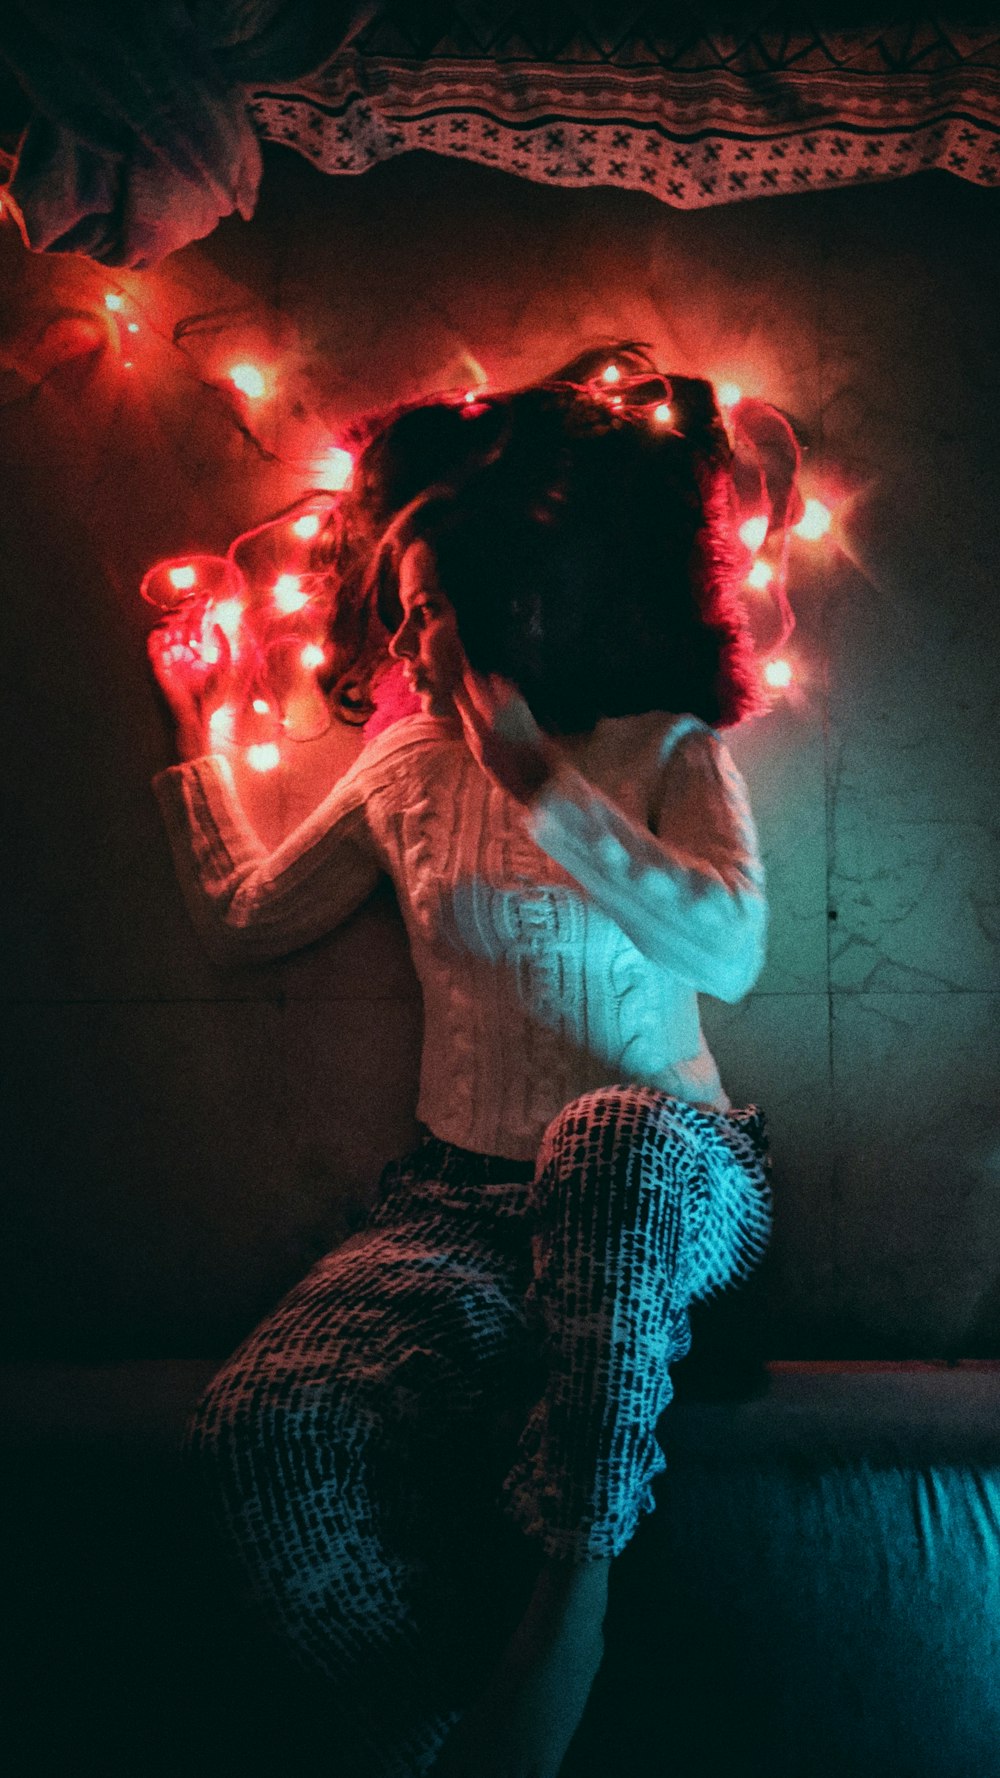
(181, 1144)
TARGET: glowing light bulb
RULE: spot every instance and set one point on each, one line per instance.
(307, 526)
(114, 301)
(611, 374)
(335, 468)
(227, 615)
(288, 594)
(754, 531)
(778, 673)
(760, 576)
(663, 413)
(263, 757)
(815, 521)
(133, 327)
(248, 379)
(182, 577)
(261, 706)
(220, 723)
(470, 397)
(312, 655)
(729, 394)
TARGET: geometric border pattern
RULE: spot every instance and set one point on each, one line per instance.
(720, 121)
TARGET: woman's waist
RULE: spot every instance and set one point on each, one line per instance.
(445, 1177)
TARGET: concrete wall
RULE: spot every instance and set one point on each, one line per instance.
(179, 1143)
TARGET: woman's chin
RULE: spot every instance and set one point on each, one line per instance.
(436, 703)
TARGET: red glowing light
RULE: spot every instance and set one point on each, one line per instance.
(754, 531)
(261, 706)
(815, 521)
(288, 594)
(611, 374)
(248, 379)
(133, 327)
(760, 576)
(335, 469)
(312, 655)
(470, 396)
(221, 723)
(662, 413)
(227, 615)
(128, 365)
(263, 757)
(778, 673)
(114, 301)
(181, 577)
(729, 394)
(307, 526)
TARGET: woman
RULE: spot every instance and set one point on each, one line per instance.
(429, 1454)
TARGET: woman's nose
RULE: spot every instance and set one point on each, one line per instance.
(401, 644)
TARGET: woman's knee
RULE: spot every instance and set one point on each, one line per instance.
(233, 1412)
(613, 1129)
(618, 1166)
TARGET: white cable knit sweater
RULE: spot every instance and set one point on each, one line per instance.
(559, 948)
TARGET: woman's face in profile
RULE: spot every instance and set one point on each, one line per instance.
(427, 639)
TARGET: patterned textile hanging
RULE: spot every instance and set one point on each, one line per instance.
(147, 123)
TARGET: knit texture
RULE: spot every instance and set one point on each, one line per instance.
(559, 948)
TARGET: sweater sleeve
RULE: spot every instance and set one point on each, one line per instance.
(690, 890)
(249, 904)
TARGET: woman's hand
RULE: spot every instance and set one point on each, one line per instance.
(191, 677)
(503, 735)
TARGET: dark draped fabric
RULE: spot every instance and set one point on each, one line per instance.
(147, 121)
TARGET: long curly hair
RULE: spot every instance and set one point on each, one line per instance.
(585, 544)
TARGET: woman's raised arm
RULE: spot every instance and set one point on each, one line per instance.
(249, 904)
(691, 894)
(690, 890)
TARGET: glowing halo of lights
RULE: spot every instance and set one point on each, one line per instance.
(290, 674)
(754, 531)
(254, 626)
(760, 576)
(815, 521)
(288, 594)
(171, 583)
(249, 380)
(263, 756)
(334, 469)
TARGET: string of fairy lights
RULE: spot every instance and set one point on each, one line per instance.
(258, 619)
(273, 626)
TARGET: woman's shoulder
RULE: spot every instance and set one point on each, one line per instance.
(413, 738)
(673, 730)
(650, 738)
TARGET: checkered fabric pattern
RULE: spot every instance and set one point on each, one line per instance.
(471, 1383)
